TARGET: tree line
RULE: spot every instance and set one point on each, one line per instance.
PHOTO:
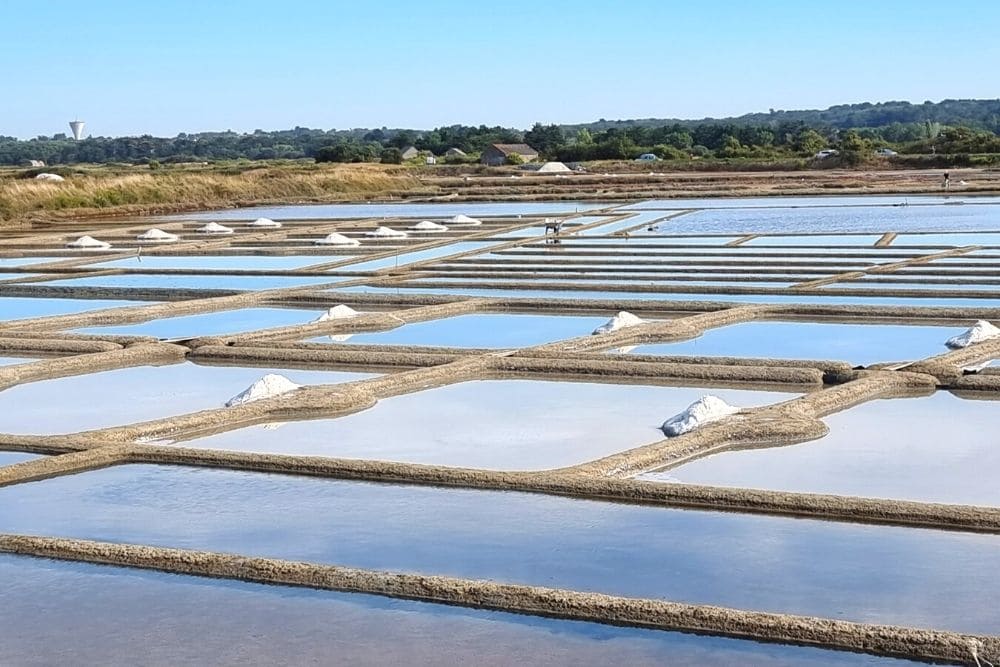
(961, 127)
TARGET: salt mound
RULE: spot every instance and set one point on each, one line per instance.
(340, 338)
(464, 220)
(88, 242)
(386, 233)
(336, 239)
(157, 236)
(266, 387)
(428, 226)
(705, 410)
(264, 222)
(214, 228)
(619, 321)
(980, 331)
(340, 312)
(55, 178)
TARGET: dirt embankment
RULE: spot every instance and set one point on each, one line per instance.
(90, 192)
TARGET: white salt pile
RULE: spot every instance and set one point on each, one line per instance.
(464, 220)
(340, 338)
(620, 321)
(428, 226)
(980, 331)
(214, 228)
(264, 222)
(88, 242)
(157, 236)
(55, 178)
(386, 233)
(340, 312)
(268, 386)
(705, 410)
(336, 239)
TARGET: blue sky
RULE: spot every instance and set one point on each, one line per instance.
(134, 67)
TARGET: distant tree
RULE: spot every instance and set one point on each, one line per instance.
(809, 142)
(584, 138)
(391, 155)
(547, 139)
(680, 139)
(514, 158)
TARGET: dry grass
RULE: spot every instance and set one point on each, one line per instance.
(105, 192)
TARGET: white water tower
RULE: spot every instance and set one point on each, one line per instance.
(77, 127)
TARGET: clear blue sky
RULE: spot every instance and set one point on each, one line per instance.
(168, 66)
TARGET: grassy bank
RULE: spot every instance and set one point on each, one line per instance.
(125, 191)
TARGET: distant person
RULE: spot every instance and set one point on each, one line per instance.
(946, 183)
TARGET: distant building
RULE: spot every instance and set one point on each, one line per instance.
(430, 159)
(455, 152)
(410, 152)
(33, 163)
(497, 154)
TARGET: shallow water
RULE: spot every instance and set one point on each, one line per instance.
(930, 449)
(10, 458)
(210, 324)
(24, 261)
(323, 211)
(814, 239)
(856, 343)
(645, 238)
(17, 308)
(229, 282)
(641, 218)
(63, 613)
(861, 219)
(846, 571)
(10, 361)
(675, 281)
(418, 256)
(970, 289)
(948, 239)
(222, 262)
(541, 425)
(675, 296)
(821, 201)
(482, 330)
(134, 394)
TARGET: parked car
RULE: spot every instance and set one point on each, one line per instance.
(885, 152)
(647, 157)
(829, 152)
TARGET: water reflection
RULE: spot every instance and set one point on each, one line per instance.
(854, 572)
